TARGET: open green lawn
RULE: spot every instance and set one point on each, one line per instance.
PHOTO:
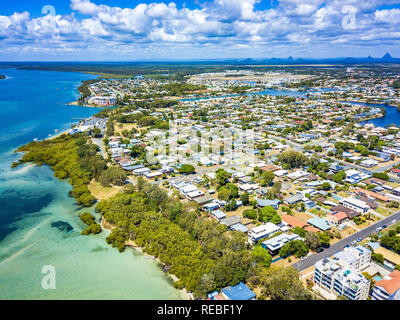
(318, 212)
(383, 211)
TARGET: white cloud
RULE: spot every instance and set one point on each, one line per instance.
(220, 26)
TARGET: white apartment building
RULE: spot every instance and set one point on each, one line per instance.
(102, 100)
(358, 258)
(355, 204)
(336, 276)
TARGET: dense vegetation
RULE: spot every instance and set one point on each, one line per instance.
(202, 253)
(199, 251)
(292, 159)
(84, 89)
(179, 88)
(391, 241)
(92, 226)
(72, 157)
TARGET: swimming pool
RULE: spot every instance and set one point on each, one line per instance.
(377, 278)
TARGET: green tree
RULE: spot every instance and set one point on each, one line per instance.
(313, 240)
(283, 283)
(296, 247)
(377, 257)
(222, 177)
(267, 177)
(324, 238)
(231, 205)
(244, 197)
(260, 255)
(113, 176)
(250, 213)
(186, 169)
(326, 186)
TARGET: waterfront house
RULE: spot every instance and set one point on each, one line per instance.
(238, 292)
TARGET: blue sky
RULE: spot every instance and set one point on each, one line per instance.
(196, 29)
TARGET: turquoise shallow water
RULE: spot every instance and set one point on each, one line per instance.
(31, 199)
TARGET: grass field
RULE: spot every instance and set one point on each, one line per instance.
(383, 211)
(100, 192)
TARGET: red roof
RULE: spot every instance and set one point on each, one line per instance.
(392, 283)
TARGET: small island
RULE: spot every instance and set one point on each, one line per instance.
(2, 77)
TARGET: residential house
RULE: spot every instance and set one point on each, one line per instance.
(336, 218)
(273, 245)
(319, 223)
(263, 231)
(230, 221)
(388, 288)
(266, 202)
(293, 198)
(354, 204)
(238, 292)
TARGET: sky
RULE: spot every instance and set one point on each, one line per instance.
(128, 30)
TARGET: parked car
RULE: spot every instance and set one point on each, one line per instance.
(347, 246)
(320, 249)
(303, 258)
(353, 242)
(359, 240)
(385, 226)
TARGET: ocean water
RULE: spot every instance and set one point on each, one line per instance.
(32, 105)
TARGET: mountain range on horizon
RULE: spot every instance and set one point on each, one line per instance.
(387, 58)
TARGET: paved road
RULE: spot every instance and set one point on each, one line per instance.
(99, 142)
(311, 260)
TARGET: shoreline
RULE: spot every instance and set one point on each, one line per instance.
(131, 244)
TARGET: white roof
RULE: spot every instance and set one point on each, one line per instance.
(357, 202)
(141, 170)
(351, 172)
(297, 174)
(280, 172)
(188, 188)
(265, 229)
(153, 174)
(195, 193)
(248, 186)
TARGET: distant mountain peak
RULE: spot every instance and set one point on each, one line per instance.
(290, 58)
(387, 56)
